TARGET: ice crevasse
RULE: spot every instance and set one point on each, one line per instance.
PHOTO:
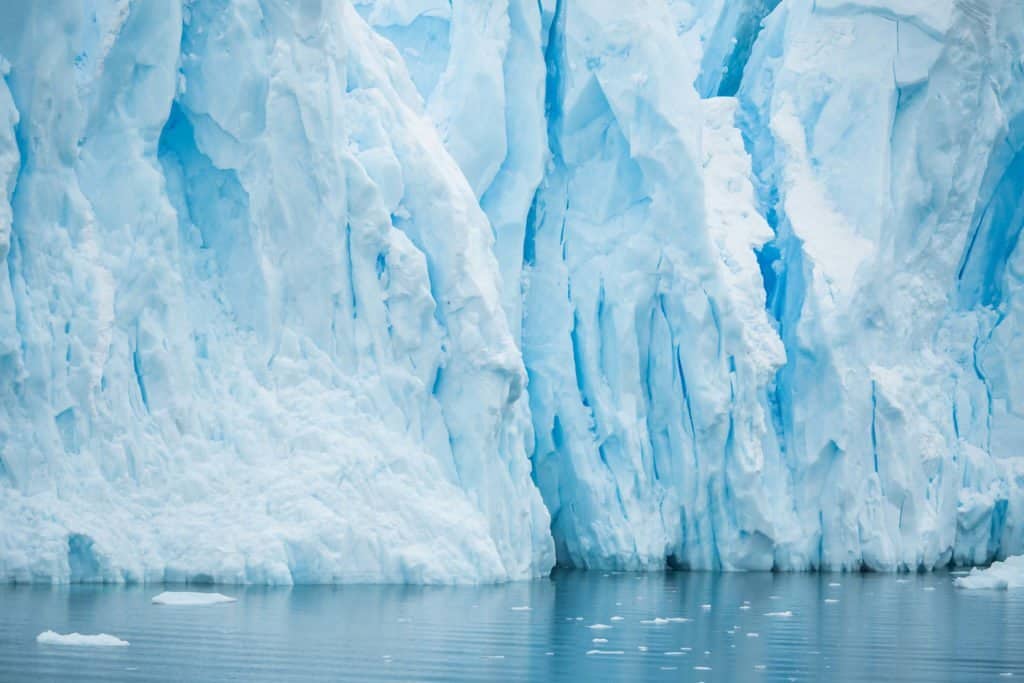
(430, 291)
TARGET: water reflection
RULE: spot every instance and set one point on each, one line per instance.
(673, 627)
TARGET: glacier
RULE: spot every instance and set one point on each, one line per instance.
(305, 291)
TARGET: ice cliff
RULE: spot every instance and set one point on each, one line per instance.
(419, 290)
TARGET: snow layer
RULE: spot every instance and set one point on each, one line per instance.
(78, 639)
(1000, 575)
(410, 290)
(189, 598)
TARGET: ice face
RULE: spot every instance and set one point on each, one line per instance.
(252, 329)
(408, 290)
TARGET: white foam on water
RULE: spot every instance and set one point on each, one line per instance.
(599, 640)
(706, 607)
(834, 584)
(785, 613)
(642, 648)
(520, 608)
(830, 601)
(702, 668)
(605, 652)
(753, 634)
(599, 627)
(617, 618)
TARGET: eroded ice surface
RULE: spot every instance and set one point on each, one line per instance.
(409, 290)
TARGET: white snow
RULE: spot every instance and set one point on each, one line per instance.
(79, 639)
(188, 598)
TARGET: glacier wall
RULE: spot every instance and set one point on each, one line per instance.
(419, 290)
(252, 329)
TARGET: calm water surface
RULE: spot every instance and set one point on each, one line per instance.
(867, 628)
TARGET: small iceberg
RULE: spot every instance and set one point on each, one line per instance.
(599, 627)
(187, 598)
(79, 639)
(1000, 576)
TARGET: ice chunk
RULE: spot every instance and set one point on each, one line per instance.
(189, 598)
(79, 639)
(1003, 575)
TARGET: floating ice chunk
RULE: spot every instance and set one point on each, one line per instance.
(760, 667)
(700, 667)
(830, 601)
(670, 668)
(706, 607)
(617, 618)
(605, 652)
(549, 654)
(79, 639)
(188, 598)
(834, 584)
(642, 648)
(753, 634)
(929, 588)
(599, 640)
(744, 606)
(785, 613)
(493, 657)
(599, 627)
(520, 608)
(1001, 575)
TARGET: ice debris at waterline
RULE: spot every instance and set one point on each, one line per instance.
(419, 291)
(1000, 575)
(79, 639)
(186, 598)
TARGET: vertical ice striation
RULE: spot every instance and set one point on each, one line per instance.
(885, 140)
(256, 331)
(419, 290)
